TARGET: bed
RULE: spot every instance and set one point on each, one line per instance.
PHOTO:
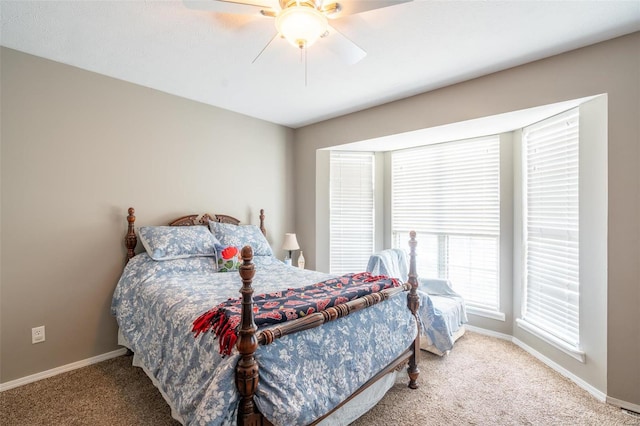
(327, 367)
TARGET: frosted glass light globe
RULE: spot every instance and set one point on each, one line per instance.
(301, 25)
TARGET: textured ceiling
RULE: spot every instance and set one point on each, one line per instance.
(205, 56)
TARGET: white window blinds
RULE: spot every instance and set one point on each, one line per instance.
(450, 194)
(550, 169)
(351, 211)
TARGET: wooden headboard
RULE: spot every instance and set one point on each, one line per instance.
(131, 240)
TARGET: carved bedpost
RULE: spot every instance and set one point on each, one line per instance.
(130, 240)
(247, 367)
(413, 302)
(262, 228)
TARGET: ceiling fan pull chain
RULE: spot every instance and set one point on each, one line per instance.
(305, 68)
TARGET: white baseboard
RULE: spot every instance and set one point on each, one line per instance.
(490, 333)
(62, 369)
(624, 404)
(599, 395)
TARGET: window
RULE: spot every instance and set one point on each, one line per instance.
(351, 221)
(449, 193)
(549, 224)
(550, 221)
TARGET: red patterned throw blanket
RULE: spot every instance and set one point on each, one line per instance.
(281, 306)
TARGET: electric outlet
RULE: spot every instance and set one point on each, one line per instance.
(37, 334)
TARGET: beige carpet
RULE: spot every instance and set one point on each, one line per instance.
(483, 381)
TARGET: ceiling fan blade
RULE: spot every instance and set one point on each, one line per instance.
(228, 6)
(341, 45)
(358, 6)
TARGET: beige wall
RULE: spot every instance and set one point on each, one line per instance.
(611, 67)
(77, 150)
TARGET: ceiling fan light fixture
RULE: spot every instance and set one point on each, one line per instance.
(301, 25)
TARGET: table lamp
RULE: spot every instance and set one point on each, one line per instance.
(290, 244)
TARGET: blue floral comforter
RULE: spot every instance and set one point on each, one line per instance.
(302, 376)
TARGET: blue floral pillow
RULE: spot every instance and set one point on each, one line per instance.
(240, 236)
(177, 242)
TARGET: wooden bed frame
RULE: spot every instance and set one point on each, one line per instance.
(246, 376)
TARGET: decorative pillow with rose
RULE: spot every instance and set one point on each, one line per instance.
(228, 259)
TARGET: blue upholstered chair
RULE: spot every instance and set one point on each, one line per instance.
(442, 310)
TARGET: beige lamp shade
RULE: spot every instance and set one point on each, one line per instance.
(290, 242)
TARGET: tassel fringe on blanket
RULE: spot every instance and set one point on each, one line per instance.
(273, 308)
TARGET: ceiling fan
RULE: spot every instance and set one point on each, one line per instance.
(302, 22)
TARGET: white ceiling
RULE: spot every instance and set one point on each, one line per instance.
(411, 48)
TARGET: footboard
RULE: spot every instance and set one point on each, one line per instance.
(247, 369)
